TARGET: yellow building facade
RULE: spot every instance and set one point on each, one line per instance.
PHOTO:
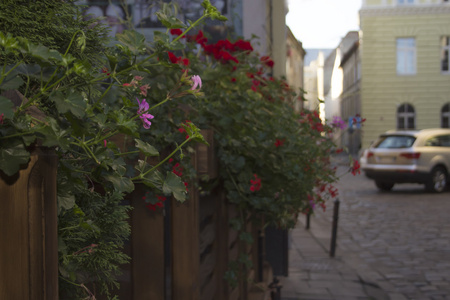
(405, 65)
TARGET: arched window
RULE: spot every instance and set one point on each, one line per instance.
(406, 117)
(445, 116)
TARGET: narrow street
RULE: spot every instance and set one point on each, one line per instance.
(396, 244)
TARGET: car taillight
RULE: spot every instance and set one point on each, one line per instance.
(369, 155)
(411, 155)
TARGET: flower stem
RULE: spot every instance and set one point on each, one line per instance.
(142, 175)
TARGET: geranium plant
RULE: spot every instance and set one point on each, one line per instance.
(106, 116)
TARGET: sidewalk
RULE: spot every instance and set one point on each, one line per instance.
(314, 275)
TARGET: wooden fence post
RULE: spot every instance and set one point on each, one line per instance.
(147, 238)
(28, 231)
(185, 248)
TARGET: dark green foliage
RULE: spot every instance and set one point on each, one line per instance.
(91, 240)
(53, 23)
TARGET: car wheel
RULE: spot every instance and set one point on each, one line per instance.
(438, 180)
(384, 186)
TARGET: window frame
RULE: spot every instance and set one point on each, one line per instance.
(405, 113)
(445, 54)
(406, 2)
(406, 53)
(445, 114)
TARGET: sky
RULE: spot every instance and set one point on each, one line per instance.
(322, 23)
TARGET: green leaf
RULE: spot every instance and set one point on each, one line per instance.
(12, 157)
(154, 179)
(174, 185)
(53, 135)
(43, 53)
(146, 148)
(134, 40)
(169, 21)
(11, 82)
(66, 202)
(73, 102)
(6, 107)
(121, 184)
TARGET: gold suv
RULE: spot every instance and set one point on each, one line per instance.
(416, 156)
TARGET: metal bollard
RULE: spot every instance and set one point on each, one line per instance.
(275, 286)
(334, 228)
(308, 217)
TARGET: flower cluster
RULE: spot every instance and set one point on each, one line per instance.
(279, 143)
(223, 49)
(267, 61)
(135, 83)
(178, 59)
(177, 32)
(142, 112)
(158, 203)
(355, 167)
(338, 123)
(255, 183)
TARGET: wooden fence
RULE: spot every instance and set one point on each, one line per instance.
(181, 252)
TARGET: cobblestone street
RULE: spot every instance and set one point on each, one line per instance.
(397, 242)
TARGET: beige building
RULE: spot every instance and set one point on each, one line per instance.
(350, 99)
(295, 58)
(267, 20)
(405, 65)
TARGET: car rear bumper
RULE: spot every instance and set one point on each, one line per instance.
(398, 176)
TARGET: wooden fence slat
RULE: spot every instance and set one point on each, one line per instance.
(147, 238)
(28, 226)
(185, 245)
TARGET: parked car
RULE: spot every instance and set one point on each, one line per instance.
(416, 156)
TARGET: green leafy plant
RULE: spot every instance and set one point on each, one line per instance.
(107, 112)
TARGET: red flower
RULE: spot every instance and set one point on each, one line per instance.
(200, 38)
(279, 143)
(355, 168)
(105, 70)
(177, 169)
(172, 57)
(243, 45)
(233, 79)
(176, 31)
(256, 183)
(185, 61)
(267, 61)
(339, 150)
(333, 191)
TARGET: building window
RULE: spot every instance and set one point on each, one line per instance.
(401, 2)
(406, 117)
(445, 48)
(406, 56)
(445, 116)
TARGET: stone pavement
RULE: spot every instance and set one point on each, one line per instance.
(314, 275)
(393, 246)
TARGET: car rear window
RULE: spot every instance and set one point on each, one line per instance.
(395, 141)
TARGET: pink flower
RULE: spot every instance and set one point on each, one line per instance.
(1, 118)
(144, 89)
(197, 82)
(145, 117)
